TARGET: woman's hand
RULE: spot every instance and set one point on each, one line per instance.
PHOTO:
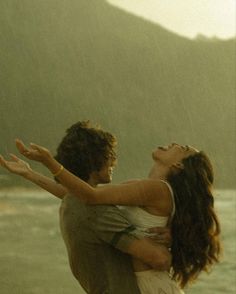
(35, 152)
(22, 168)
(16, 165)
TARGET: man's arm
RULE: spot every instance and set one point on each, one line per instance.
(112, 227)
(155, 255)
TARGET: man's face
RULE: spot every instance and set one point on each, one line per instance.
(104, 176)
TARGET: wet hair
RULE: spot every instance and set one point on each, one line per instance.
(195, 227)
(86, 149)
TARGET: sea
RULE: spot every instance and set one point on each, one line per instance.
(33, 259)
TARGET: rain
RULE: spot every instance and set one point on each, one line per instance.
(65, 61)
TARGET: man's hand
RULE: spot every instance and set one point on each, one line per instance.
(16, 165)
(35, 152)
(160, 235)
(155, 255)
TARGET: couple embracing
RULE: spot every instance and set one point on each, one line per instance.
(107, 229)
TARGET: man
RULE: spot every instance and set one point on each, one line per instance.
(93, 234)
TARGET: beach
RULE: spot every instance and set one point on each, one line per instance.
(33, 257)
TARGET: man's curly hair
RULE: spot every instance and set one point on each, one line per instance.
(85, 149)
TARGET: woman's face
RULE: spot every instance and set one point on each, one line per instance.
(172, 154)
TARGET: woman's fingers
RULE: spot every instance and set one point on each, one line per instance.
(20, 162)
(35, 152)
(2, 161)
(30, 153)
(21, 147)
(14, 157)
(34, 146)
(42, 152)
(37, 147)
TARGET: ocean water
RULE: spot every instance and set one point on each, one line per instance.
(33, 258)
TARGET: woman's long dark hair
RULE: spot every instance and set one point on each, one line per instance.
(195, 227)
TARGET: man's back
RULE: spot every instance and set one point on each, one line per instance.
(99, 267)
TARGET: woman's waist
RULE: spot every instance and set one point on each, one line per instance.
(152, 272)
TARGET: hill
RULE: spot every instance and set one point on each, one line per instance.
(62, 61)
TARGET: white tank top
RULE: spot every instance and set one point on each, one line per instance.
(143, 220)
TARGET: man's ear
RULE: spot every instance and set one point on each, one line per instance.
(178, 165)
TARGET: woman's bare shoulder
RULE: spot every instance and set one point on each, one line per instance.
(160, 194)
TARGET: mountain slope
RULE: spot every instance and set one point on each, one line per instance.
(64, 61)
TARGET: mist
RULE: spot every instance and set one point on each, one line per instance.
(67, 61)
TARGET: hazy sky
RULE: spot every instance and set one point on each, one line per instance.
(187, 17)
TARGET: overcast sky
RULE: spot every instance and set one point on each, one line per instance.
(187, 17)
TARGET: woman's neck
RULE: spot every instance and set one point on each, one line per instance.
(158, 172)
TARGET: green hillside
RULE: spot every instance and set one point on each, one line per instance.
(62, 61)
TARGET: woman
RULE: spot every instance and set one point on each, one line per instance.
(180, 181)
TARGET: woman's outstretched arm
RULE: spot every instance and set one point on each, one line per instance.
(143, 192)
(22, 168)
